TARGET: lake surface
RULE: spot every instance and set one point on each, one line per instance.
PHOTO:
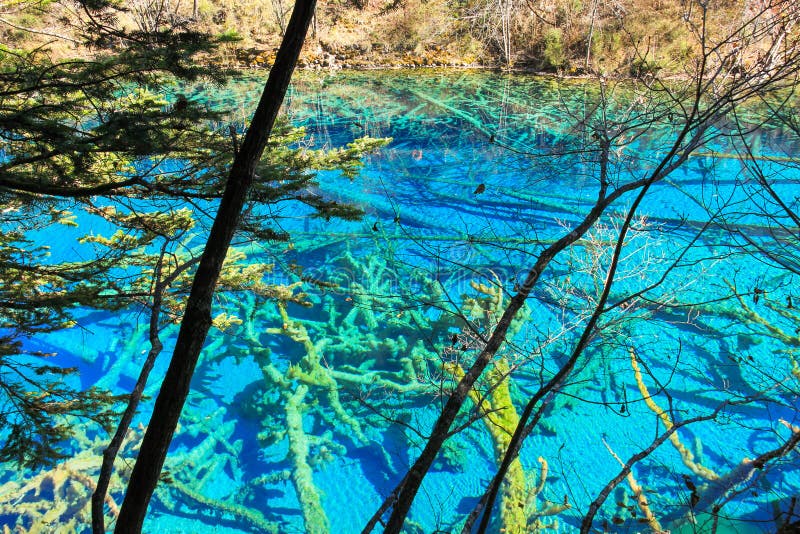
(483, 172)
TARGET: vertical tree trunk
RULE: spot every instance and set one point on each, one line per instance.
(197, 316)
(506, 11)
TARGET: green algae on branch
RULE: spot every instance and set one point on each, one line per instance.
(500, 419)
(246, 515)
(519, 510)
(686, 455)
(344, 358)
(295, 384)
(316, 522)
(310, 370)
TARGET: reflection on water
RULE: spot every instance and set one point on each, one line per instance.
(304, 417)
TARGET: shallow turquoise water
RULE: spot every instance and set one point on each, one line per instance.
(427, 240)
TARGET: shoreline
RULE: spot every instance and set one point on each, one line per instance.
(249, 60)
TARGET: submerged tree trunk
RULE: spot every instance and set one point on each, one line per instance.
(197, 316)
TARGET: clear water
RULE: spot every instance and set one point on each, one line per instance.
(427, 240)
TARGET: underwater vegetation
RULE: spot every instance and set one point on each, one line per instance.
(317, 388)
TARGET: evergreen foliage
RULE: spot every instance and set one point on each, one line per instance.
(109, 139)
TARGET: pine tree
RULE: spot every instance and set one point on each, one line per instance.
(109, 138)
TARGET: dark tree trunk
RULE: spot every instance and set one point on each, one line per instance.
(197, 316)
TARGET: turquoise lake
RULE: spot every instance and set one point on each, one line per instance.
(483, 172)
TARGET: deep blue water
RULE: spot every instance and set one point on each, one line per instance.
(483, 172)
